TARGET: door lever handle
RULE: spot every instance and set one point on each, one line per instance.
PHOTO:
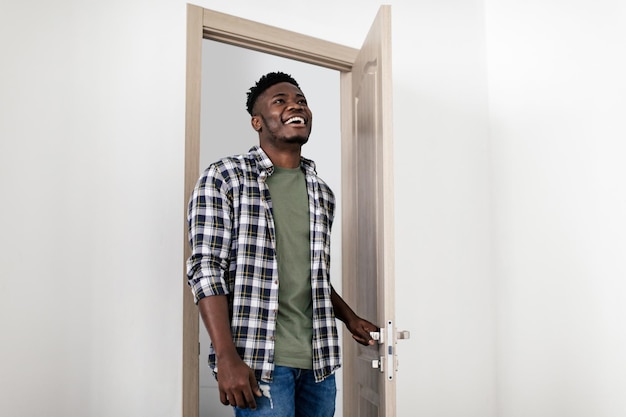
(400, 335)
(378, 336)
(403, 334)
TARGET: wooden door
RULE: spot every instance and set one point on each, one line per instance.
(368, 248)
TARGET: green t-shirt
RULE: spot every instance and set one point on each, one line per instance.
(294, 325)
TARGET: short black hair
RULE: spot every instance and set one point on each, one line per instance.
(264, 83)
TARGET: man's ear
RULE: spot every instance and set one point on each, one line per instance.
(256, 123)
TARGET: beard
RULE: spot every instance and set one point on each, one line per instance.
(296, 140)
(276, 137)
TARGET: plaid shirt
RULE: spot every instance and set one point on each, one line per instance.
(233, 252)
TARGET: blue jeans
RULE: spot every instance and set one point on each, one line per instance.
(293, 392)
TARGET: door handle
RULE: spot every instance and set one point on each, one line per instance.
(389, 354)
(403, 335)
(379, 336)
(385, 337)
(400, 335)
(378, 364)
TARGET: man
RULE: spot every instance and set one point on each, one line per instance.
(259, 229)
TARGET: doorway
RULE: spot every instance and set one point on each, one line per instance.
(227, 73)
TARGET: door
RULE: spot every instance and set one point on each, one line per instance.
(368, 260)
(367, 187)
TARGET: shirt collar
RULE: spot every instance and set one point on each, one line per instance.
(265, 163)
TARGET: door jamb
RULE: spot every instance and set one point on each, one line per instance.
(207, 24)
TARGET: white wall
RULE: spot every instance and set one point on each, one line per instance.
(557, 88)
(527, 94)
(91, 232)
(444, 281)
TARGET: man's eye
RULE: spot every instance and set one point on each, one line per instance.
(279, 101)
(303, 102)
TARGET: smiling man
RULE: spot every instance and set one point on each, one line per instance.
(259, 229)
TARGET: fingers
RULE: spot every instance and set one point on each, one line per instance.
(224, 398)
(250, 391)
(239, 388)
(254, 385)
(238, 398)
(362, 334)
(250, 402)
(369, 328)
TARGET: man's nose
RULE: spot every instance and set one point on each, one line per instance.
(294, 104)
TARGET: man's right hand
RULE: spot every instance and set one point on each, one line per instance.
(237, 383)
(235, 379)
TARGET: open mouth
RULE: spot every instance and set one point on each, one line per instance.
(296, 120)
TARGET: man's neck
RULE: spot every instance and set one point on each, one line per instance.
(283, 158)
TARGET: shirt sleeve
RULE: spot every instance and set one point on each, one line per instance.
(209, 219)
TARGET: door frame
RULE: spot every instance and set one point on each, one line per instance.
(208, 24)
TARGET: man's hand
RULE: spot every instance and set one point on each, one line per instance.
(360, 329)
(235, 379)
(236, 383)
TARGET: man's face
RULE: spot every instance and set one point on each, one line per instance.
(282, 116)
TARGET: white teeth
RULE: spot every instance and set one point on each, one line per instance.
(296, 119)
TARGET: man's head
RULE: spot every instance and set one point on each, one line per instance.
(263, 84)
(280, 113)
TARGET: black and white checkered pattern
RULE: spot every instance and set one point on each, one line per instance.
(232, 238)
